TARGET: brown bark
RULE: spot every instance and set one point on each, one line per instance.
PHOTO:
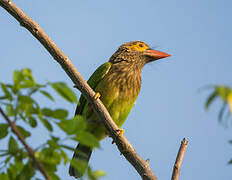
(179, 160)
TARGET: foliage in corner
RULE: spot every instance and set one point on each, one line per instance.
(20, 102)
(225, 94)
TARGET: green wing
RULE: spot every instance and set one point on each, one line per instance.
(93, 81)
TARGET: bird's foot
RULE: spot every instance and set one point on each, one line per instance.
(147, 162)
(97, 96)
(75, 86)
(120, 132)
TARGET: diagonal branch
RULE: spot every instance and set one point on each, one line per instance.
(179, 159)
(29, 150)
(123, 144)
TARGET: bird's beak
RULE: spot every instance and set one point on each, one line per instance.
(155, 55)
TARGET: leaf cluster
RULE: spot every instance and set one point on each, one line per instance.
(20, 102)
(225, 94)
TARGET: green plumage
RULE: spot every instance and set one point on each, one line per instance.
(118, 82)
(117, 97)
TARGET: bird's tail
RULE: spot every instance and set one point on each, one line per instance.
(82, 154)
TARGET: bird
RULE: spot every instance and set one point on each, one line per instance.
(117, 83)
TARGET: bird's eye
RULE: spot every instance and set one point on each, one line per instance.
(141, 45)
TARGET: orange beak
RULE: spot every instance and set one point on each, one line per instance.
(155, 55)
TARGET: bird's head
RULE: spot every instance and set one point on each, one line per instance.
(136, 52)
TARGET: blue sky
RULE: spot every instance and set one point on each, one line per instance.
(198, 36)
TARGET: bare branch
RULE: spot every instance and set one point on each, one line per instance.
(179, 159)
(123, 144)
(29, 150)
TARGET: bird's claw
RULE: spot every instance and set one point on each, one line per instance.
(147, 162)
(75, 86)
(97, 96)
(120, 132)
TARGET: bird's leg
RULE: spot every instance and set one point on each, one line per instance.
(97, 95)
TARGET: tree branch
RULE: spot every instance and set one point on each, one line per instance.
(123, 144)
(29, 150)
(179, 159)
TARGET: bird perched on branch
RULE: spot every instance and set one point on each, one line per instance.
(118, 83)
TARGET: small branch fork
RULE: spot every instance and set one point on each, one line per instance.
(122, 143)
(29, 150)
(179, 159)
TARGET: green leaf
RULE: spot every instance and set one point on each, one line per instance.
(230, 141)
(67, 126)
(6, 92)
(54, 138)
(4, 176)
(96, 174)
(3, 97)
(87, 138)
(45, 93)
(73, 126)
(27, 172)
(99, 173)
(17, 77)
(27, 73)
(53, 144)
(3, 130)
(47, 112)
(50, 159)
(11, 171)
(54, 176)
(223, 92)
(7, 159)
(22, 117)
(28, 110)
(210, 99)
(80, 123)
(18, 166)
(47, 124)
(60, 114)
(35, 109)
(49, 156)
(10, 110)
(25, 99)
(64, 91)
(230, 162)
(32, 122)
(12, 146)
(23, 132)
(64, 156)
(27, 84)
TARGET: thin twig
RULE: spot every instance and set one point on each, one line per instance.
(123, 144)
(179, 159)
(29, 150)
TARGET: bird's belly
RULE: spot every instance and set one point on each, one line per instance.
(118, 101)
